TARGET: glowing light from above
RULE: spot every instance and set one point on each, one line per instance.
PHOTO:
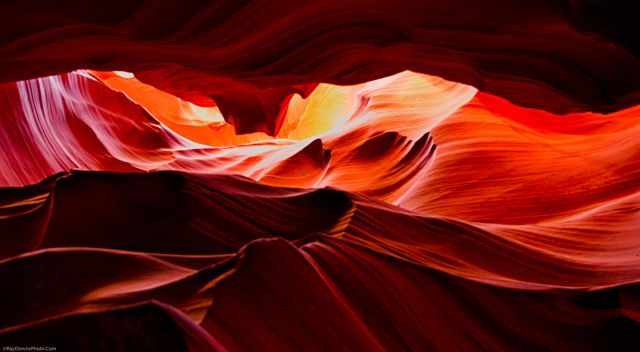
(203, 125)
(330, 110)
(124, 74)
(379, 127)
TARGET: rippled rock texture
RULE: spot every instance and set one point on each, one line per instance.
(320, 175)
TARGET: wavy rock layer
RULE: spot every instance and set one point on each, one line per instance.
(352, 272)
(250, 56)
(453, 220)
(268, 175)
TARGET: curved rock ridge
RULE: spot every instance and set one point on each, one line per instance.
(353, 270)
(424, 144)
(74, 121)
